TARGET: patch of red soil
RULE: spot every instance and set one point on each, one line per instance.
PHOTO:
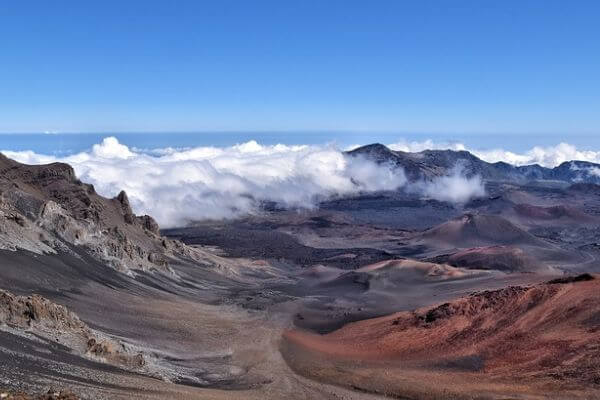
(548, 331)
(405, 268)
(501, 258)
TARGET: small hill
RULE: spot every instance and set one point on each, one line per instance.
(411, 270)
(500, 258)
(475, 230)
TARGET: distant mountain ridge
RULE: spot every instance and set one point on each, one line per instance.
(431, 163)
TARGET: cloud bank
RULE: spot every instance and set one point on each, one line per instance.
(181, 185)
(178, 186)
(549, 156)
(453, 188)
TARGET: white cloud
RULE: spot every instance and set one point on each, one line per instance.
(454, 187)
(176, 186)
(595, 171)
(428, 144)
(585, 170)
(179, 185)
(549, 156)
(28, 157)
(111, 148)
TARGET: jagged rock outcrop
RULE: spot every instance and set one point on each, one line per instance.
(54, 322)
(148, 223)
(46, 209)
(49, 395)
(128, 215)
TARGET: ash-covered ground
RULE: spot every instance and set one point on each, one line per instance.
(103, 304)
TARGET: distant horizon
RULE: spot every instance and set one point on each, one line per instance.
(527, 150)
(293, 131)
(73, 142)
(219, 177)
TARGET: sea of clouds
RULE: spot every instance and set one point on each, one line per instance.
(177, 186)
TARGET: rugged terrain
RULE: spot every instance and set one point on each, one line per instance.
(46, 209)
(545, 337)
(379, 294)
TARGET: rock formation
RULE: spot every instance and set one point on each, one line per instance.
(56, 323)
(46, 209)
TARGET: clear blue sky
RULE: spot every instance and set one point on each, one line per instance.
(397, 66)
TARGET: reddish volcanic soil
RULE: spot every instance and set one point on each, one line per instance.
(501, 258)
(541, 341)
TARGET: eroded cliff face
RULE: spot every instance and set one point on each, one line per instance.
(46, 209)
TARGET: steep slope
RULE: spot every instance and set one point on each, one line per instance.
(45, 209)
(518, 341)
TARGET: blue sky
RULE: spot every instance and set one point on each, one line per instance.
(446, 67)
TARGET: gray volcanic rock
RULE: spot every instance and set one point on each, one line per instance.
(49, 395)
(45, 208)
(54, 322)
(148, 223)
(24, 312)
(431, 163)
(128, 215)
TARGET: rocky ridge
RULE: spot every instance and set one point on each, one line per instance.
(431, 163)
(46, 209)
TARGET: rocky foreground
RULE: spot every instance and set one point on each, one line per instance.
(50, 395)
